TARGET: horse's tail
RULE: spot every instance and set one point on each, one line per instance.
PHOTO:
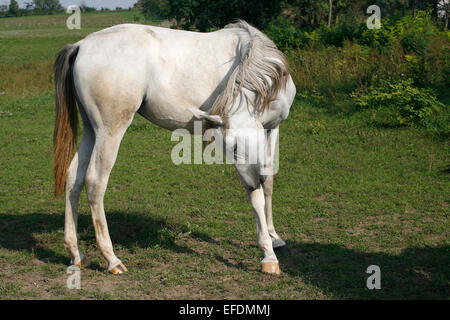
(66, 124)
(260, 68)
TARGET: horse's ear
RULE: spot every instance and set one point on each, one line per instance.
(202, 115)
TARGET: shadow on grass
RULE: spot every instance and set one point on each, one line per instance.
(385, 124)
(416, 273)
(445, 170)
(19, 232)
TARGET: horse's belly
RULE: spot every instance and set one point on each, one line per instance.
(170, 95)
(166, 116)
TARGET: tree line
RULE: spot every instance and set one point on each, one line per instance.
(204, 15)
(37, 7)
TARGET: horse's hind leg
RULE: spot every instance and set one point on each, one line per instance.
(74, 184)
(102, 161)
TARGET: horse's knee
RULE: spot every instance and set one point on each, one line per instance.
(93, 189)
(248, 174)
(268, 186)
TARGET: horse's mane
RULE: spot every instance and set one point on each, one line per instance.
(260, 68)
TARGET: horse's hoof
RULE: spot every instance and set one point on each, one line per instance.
(283, 250)
(271, 268)
(119, 269)
(83, 263)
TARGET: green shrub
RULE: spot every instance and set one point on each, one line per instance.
(438, 126)
(431, 67)
(416, 32)
(285, 35)
(410, 105)
(381, 39)
(337, 35)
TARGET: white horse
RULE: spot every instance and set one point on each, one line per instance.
(231, 78)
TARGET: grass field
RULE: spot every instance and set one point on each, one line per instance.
(349, 194)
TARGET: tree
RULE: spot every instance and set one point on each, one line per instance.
(218, 13)
(29, 6)
(154, 8)
(207, 14)
(309, 13)
(47, 6)
(3, 10)
(14, 8)
(330, 12)
(182, 11)
(85, 8)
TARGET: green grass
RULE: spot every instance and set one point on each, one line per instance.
(349, 194)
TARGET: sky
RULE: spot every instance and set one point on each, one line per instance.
(111, 4)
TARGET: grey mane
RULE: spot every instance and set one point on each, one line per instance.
(260, 68)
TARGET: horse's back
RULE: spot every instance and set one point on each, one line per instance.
(155, 47)
(172, 69)
(163, 72)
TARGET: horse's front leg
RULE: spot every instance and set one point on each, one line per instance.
(250, 178)
(277, 242)
(270, 262)
(270, 169)
(248, 149)
(249, 175)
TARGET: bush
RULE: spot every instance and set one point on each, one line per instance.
(380, 39)
(431, 67)
(410, 104)
(439, 126)
(337, 35)
(285, 35)
(399, 71)
(416, 32)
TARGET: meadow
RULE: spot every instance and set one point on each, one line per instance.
(351, 192)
